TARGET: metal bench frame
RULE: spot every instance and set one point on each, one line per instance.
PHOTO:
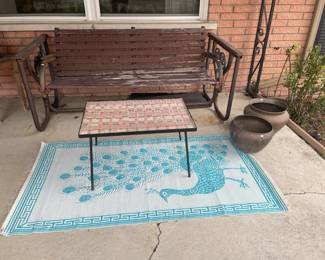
(35, 60)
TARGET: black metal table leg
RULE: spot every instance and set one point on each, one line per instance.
(187, 156)
(91, 162)
(180, 136)
(96, 140)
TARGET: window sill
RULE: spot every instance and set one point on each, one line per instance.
(81, 23)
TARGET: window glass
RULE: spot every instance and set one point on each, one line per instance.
(42, 7)
(150, 7)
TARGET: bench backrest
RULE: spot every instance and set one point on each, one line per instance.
(81, 52)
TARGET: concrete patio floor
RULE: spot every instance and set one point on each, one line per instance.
(294, 167)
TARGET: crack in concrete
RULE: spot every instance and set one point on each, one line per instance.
(158, 241)
(303, 193)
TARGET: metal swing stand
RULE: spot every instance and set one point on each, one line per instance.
(260, 45)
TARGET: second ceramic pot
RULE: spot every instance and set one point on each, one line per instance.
(250, 133)
(272, 110)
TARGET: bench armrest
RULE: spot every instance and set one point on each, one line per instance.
(225, 45)
(39, 42)
(222, 54)
(48, 58)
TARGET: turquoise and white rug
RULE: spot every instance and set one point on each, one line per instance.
(139, 181)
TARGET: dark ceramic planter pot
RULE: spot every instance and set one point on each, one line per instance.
(272, 110)
(250, 133)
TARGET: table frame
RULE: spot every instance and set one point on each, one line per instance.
(160, 131)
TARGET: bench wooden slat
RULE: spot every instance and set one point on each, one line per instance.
(145, 76)
(130, 82)
(127, 60)
(128, 45)
(68, 54)
(128, 31)
(90, 69)
(148, 72)
(130, 38)
(136, 77)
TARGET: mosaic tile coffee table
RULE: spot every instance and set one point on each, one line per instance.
(132, 117)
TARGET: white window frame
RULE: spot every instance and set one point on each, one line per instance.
(93, 15)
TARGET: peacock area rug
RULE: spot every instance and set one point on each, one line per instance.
(139, 181)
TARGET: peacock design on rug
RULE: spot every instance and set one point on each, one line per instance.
(210, 177)
(131, 169)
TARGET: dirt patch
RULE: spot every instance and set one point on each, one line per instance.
(316, 127)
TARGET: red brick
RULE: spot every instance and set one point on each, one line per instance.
(276, 37)
(282, 8)
(233, 16)
(274, 51)
(253, 16)
(213, 17)
(295, 2)
(15, 41)
(289, 16)
(276, 57)
(225, 24)
(279, 23)
(299, 23)
(240, 38)
(304, 30)
(285, 30)
(308, 16)
(19, 34)
(248, 44)
(287, 43)
(295, 37)
(247, 8)
(231, 31)
(238, 45)
(270, 64)
(221, 9)
(302, 8)
(213, 9)
(215, 2)
(48, 33)
(274, 70)
(247, 23)
(251, 30)
(235, 2)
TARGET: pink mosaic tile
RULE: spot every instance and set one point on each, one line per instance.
(113, 117)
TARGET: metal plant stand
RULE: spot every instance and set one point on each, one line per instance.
(260, 45)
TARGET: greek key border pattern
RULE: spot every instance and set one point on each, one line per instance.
(19, 224)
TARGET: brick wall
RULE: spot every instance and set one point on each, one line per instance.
(236, 20)
(11, 43)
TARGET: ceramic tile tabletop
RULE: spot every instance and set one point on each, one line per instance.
(124, 116)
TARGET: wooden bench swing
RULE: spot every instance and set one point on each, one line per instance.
(139, 59)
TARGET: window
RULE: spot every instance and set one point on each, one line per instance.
(102, 10)
(42, 7)
(149, 7)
